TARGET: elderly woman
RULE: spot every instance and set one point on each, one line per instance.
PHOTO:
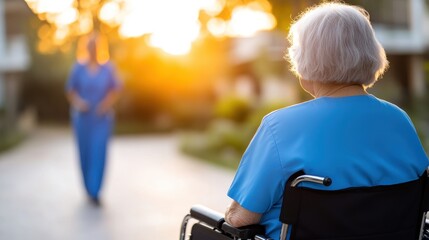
(345, 133)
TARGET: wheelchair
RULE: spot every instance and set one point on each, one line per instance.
(388, 212)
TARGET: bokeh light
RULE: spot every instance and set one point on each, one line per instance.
(110, 13)
(217, 27)
(171, 25)
(249, 19)
(212, 7)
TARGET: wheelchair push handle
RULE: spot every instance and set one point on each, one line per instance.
(326, 181)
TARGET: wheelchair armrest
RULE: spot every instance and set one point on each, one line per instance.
(245, 232)
(216, 220)
(208, 216)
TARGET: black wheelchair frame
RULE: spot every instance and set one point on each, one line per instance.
(211, 225)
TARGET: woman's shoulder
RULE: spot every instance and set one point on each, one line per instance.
(387, 109)
(346, 106)
(295, 110)
(388, 105)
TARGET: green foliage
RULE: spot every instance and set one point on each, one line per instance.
(9, 139)
(426, 69)
(233, 108)
(225, 140)
(419, 112)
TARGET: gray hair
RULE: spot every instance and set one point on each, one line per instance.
(335, 43)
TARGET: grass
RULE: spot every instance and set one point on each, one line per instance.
(9, 140)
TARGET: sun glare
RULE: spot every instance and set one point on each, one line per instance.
(140, 18)
(110, 13)
(171, 25)
(49, 6)
(217, 27)
(85, 24)
(212, 7)
(246, 21)
(66, 17)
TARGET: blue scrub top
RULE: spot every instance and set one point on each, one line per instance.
(356, 140)
(92, 87)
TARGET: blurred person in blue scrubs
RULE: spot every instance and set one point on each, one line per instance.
(345, 133)
(92, 89)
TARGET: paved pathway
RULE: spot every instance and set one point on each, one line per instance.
(149, 187)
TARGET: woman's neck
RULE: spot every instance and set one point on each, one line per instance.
(92, 66)
(92, 62)
(340, 90)
(318, 89)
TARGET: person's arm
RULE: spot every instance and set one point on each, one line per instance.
(112, 95)
(108, 102)
(258, 181)
(72, 95)
(76, 101)
(237, 216)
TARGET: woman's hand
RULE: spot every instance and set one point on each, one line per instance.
(107, 103)
(103, 108)
(77, 102)
(237, 216)
(80, 104)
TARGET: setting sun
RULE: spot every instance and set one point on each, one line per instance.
(173, 29)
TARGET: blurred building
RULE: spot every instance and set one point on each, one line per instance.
(14, 58)
(402, 26)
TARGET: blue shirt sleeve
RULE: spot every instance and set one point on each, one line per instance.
(259, 181)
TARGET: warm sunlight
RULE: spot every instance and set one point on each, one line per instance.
(49, 6)
(172, 28)
(212, 7)
(140, 17)
(170, 25)
(217, 27)
(247, 20)
(175, 41)
(110, 13)
(66, 17)
(57, 12)
(85, 24)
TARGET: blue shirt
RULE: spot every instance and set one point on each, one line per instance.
(92, 87)
(357, 141)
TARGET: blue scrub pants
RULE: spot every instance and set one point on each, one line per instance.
(92, 134)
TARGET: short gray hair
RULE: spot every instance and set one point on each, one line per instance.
(335, 43)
